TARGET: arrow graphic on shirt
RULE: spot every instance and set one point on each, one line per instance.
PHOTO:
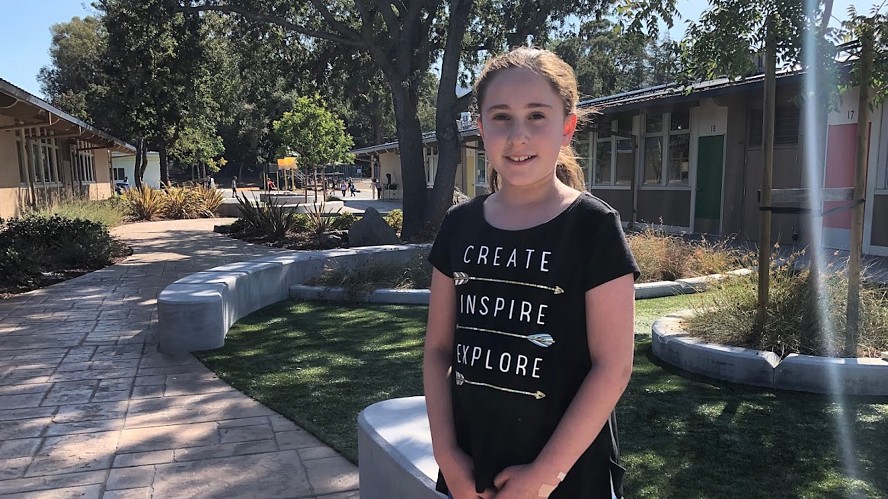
(544, 340)
(461, 380)
(460, 278)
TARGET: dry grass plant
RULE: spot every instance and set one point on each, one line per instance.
(144, 203)
(271, 219)
(319, 219)
(108, 212)
(182, 202)
(360, 281)
(666, 257)
(727, 315)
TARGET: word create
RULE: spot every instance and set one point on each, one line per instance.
(502, 257)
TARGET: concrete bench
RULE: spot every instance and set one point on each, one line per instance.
(395, 451)
(195, 312)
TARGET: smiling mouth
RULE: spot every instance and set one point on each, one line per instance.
(519, 159)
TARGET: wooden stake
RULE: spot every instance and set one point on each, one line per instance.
(852, 313)
(767, 170)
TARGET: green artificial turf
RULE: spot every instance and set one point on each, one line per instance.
(681, 435)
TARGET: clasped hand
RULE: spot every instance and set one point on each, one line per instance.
(515, 482)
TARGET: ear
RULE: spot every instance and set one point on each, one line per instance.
(570, 126)
(480, 128)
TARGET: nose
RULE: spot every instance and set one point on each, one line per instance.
(518, 132)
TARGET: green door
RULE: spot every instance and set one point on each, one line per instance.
(710, 162)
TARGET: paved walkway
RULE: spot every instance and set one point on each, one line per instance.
(89, 408)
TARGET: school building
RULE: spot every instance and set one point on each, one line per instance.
(692, 161)
(47, 154)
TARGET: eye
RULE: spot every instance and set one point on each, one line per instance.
(537, 116)
(500, 117)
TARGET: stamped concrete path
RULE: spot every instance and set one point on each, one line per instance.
(89, 408)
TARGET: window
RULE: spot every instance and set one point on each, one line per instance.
(119, 174)
(614, 153)
(22, 162)
(480, 167)
(667, 149)
(430, 157)
(83, 162)
(38, 154)
(786, 125)
(581, 147)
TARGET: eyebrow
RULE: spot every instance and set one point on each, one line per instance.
(496, 107)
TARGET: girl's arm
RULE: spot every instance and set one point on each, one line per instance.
(610, 318)
(455, 464)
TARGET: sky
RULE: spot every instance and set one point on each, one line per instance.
(25, 33)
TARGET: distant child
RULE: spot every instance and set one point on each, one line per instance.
(343, 187)
(234, 186)
(529, 340)
(352, 188)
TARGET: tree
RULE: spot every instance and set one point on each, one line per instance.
(313, 133)
(157, 68)
(608, 60)
(403, 39)
(76, 52)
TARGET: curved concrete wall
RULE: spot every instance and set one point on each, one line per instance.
(805, 373)
(195, 312)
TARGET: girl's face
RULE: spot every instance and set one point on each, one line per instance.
(523, 127)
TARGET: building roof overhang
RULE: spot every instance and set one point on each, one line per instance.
(28, 110)
(660, 96)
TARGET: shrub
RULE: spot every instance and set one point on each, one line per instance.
(271, 219)
(144, 203)
(727, 315)
(395, 219)
(344, 221)
(34, 244)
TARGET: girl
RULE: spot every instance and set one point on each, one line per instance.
(530, 330)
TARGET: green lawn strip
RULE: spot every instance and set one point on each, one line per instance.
(682, 435)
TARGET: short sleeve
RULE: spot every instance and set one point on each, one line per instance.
(439, 256)
(610, 256)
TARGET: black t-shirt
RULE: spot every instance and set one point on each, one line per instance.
(521, 350)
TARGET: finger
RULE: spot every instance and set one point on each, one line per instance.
(488, 494)
(502, 478)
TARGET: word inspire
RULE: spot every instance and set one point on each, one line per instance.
(520, 365)
(522, 311)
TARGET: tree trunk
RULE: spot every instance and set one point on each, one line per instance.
(141, 173)
(164, 164)
(376, 131)
(446, 129)
(405, 96)
(138, 169)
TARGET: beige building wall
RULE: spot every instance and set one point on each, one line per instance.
(390, 163)
(12, 195)
(9, 170)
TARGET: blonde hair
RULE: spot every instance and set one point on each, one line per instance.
(564, 82)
